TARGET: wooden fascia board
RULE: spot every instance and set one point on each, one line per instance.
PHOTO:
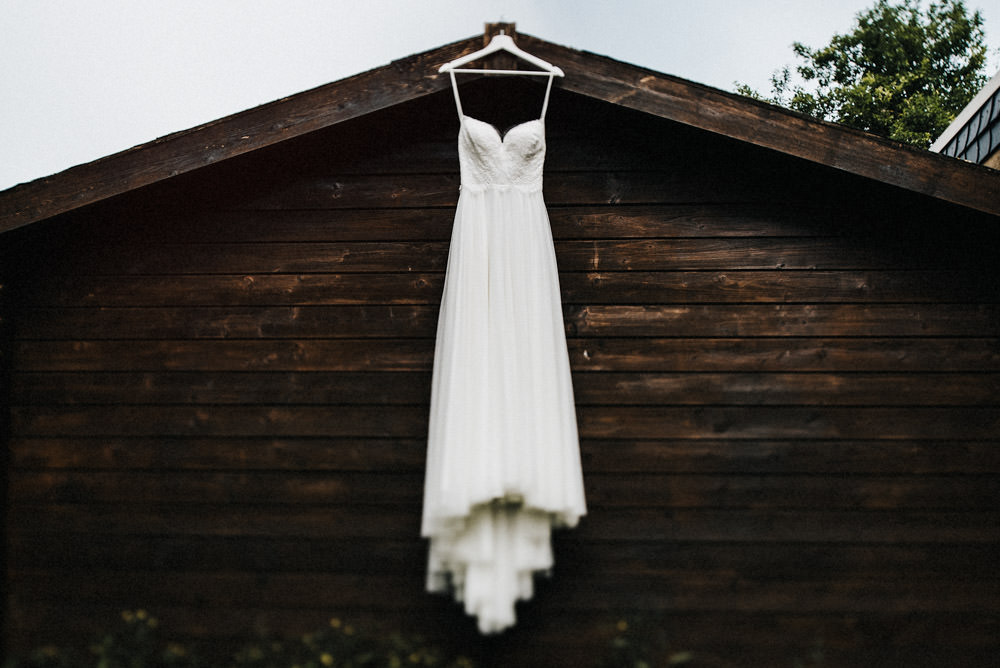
(775, 128)
(588, 74)
(228, 137)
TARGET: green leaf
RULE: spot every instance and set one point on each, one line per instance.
(902, 72)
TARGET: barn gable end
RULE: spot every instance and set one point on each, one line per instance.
(786, 370)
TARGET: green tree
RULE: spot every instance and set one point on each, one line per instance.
(901, 73)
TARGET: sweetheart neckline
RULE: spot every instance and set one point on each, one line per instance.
(503, 137)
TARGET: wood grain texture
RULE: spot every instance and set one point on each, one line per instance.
(408, 80)
(590, 287)
(786, 380)
(232, 136)
(419, 321)
(656, 525)
(618, 456)
(612, 388)
(792, 561)
(739, 422)
(604, 491)
(353, 591)
(771, 127)
(711, 219)
(723, 254)
(873, 354)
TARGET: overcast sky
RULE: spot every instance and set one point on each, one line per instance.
(81, 79)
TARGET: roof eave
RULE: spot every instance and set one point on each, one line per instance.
(776, 128)
(592, 75)
(967, 112)
(228, 137)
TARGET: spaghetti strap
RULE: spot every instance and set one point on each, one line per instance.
(548, 90)
(458, 100)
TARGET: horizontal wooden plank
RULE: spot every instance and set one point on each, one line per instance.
(335, 191)
(889, 526)
(254, 258)
(665, 594)
(611, 388)
(405, 321)
(268, 226)
(420, 321)
(789, 562)
(228, 520)
(222, 355)
(621, 524)
(200, 453)
(198, 488)
(789, 422)
(242, 290)
(855, 456)
(788, 491)
(710, 219)
(777, 389)
(599, 287)
(725, 254)
(757, 422)
(252, 554)
(432, 148)
(275, 420)
(769, 219)
(670, 186)
(774, 286)
(778, 354)
(784, 320)
(659, 490)
(785, 354)
(222, 387)
(798, 562)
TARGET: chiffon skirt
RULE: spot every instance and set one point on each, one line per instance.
(503, 462)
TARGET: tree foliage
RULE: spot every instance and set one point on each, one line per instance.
(901, 73)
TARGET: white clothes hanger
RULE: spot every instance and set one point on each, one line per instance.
(502, 42)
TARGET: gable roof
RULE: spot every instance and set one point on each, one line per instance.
(975, 133)
(592, 75)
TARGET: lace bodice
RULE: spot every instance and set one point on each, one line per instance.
(487, 159)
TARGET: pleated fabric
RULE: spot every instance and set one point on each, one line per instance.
(503, 462)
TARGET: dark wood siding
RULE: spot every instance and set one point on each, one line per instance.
(786, 380)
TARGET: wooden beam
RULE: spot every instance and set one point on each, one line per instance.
(502, 59)
(595, 76)
(768, 126)
(228, 137)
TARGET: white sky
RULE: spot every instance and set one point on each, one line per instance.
(81, 79)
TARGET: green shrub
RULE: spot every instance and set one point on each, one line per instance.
(138, 643)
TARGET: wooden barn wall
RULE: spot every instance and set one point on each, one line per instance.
(786, 378)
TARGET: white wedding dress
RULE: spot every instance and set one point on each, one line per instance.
(503, 460)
